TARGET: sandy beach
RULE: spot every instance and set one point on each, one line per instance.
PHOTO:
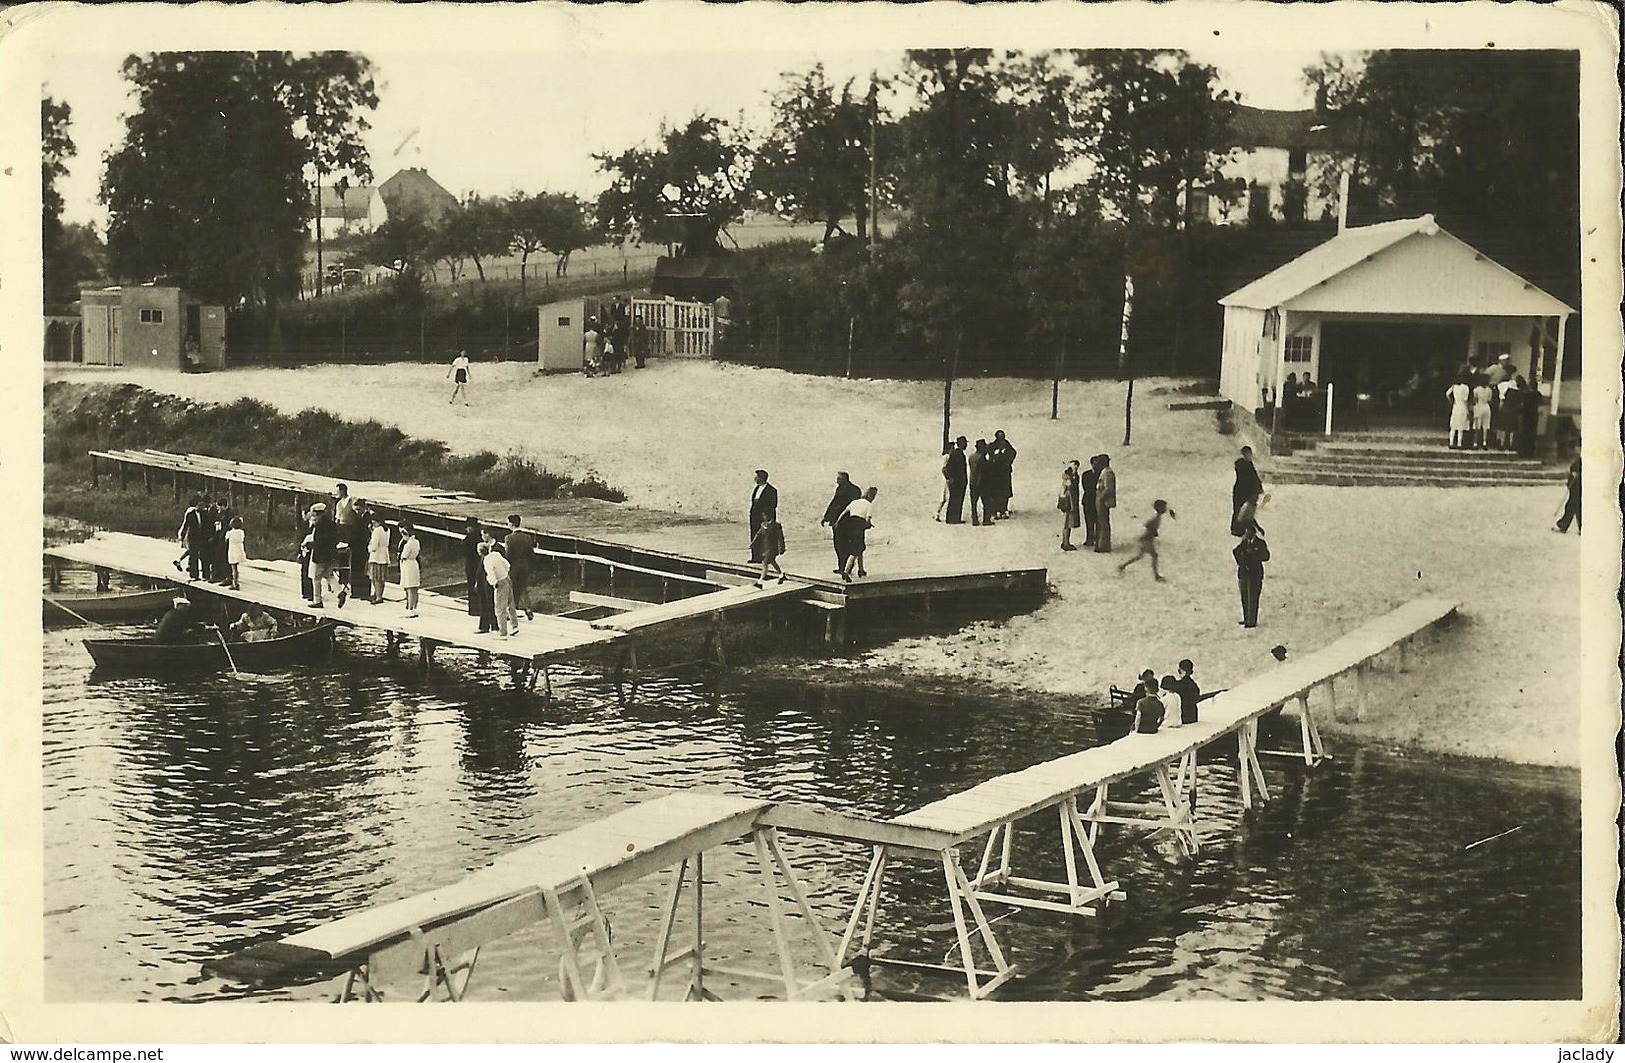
(686, 437)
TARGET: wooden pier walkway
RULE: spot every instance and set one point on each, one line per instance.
(442, 620)
(435, 937)
(665, 548)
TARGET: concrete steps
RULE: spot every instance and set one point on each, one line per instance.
(1405, 459)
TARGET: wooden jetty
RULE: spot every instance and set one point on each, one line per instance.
(435, 937)
(442, 620)
(665, 553)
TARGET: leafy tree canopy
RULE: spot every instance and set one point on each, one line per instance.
(685, 191)
(814, 163)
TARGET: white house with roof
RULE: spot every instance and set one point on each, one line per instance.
(359, 210)
(1388, 313)
(1280, 165)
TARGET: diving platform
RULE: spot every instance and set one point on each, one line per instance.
(435, 937)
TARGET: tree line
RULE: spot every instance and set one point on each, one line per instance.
(1025, 185)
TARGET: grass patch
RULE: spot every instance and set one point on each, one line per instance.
(80, 418)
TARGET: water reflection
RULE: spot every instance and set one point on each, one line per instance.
(184, 819)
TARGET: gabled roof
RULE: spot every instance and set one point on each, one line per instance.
(352, 206)
(1473, 284)
(1258, 127)
(412, 190)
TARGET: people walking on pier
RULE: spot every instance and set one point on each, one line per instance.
(1002, 455)
(411, 569)
(764, 499)
(976, 481)
(956, 477)
(1571, 504)
(1105, 502)
(1067, 503)
(458, 374)
(377, 556)
(190, 537)
(224, 574)
(853, 527)
(497, 573)
(846, 492)
(769, 543)
(1148, 540)
(236, 551)
(325, 558)
(1245, 490)
(1250, 555)
(1086, 500)
(520, 548)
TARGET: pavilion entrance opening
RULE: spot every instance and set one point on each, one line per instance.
(1391, 372)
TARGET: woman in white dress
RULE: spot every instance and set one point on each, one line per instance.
(1481, 414)
(377, 556)
(1461, 419)
(411, 572)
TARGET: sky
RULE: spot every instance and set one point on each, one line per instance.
(496, 122)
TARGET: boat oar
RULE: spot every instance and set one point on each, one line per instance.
(82, 619)
(221, 635)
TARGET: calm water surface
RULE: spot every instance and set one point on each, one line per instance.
(184, 820)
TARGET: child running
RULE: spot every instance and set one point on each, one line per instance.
(236, 550)
(769, 543)
(1148, 540)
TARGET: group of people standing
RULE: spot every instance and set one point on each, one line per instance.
(498, 572)
(1492, 408)
(213, 542)
(606, 343)
(346, 551)
(985, 474)
(1086, 501)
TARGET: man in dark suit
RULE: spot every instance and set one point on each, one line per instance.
(1247, 488)
(192, 538)
(764, 499)
(846, 492)
(954, 471)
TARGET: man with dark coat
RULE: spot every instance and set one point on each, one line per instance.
(209, 540)
(1250, 555)
(192, 538)
(846, 492)
(222, 563)
(1571, 505)
(518, 548)
(326, 556)
(976, 474)
(178, 625)
(764, 499)
(1002, 456)
(1086, 500)
(479, 591)
(957, 473)
(1247, 488)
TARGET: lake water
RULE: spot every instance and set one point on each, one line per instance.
(186, 819)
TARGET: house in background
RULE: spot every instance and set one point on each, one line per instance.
(412, 191)
(359, 210)
(152, 326)
(1386, 314)
(1283, 166)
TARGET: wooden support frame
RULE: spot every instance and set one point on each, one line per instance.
(1081, 897)
(1248, 768)
(1314, 749)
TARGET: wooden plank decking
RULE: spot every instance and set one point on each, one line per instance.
(973, 812)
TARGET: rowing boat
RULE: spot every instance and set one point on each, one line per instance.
(148, 657)
(131, 605)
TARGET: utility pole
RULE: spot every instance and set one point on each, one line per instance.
(1123, 363)
(874, 153)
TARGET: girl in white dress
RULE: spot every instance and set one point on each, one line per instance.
(377, 557)
(1481, 415)
(236, 550)
(411, 572)
(1461, 420)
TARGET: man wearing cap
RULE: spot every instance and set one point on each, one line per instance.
(956, 473)
(177, 627)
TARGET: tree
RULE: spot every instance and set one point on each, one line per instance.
(329, 94)
(814, 163)
(56, 148)
(208, 184)
(685, 191)
(1487, 141)
(550, 222)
